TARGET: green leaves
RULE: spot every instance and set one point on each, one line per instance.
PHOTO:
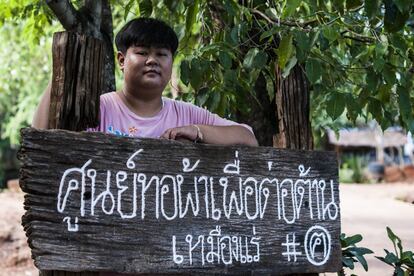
(355, 52)
(353, 4)
(145, 8)
(402, 261)
(389, 74)
(270, 87)
(249, 58)
(375, 108)
(330, 33)
(351, 253)
(403, 6)
(335, 105)
(289, 66)
(194, 72)
(372, 80)
(372, 8)
(20, 89)
(274, 30)
(225, 59)
(191, 16)
(350, 241)
(353, 107)
(285, 50)
(128, 7)
(406, 111)
(394, 18)
(291, 6)
(395, 239)
(303, 45)
(198, 68)
(185, 72)
(398, 42)
(255, 59)
(338, 5)
(313, 70)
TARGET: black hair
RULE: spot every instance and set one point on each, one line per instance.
(146, 32)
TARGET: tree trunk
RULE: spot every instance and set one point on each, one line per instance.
(284, 122)
(293, 110)
(292, 107)
(93, 19)
(108, 38)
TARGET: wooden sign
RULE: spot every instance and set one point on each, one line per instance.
(98, 202)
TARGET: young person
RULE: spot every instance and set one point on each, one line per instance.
(146, 49)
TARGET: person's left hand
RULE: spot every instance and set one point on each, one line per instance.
(181, 133)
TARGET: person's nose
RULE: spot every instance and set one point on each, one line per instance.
(152, 60)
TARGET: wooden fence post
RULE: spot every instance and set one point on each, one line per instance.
(77, 81)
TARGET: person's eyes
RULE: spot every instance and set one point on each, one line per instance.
(142, 53)
(162, 54)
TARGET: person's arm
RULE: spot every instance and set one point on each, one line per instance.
(209, 134)
(41, 116)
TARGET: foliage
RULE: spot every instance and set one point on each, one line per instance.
(353, 254)
(24, 73)
(402, 261)
(25, 32)
(358, 55)
(33, 18)
(352, 169)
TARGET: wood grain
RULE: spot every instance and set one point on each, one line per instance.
(144, 243)
(77, 81)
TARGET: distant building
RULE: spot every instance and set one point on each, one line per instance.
(385, 146)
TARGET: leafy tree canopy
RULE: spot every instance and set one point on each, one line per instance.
(358, 55)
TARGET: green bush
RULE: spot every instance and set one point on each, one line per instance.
(352, 169)
(351, 253)
(402, 261)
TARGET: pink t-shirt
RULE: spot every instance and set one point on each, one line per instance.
(118, 119)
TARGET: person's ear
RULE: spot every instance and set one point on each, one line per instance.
(121, 60)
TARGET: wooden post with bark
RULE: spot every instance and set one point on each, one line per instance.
(83, 68)
(77, 81)
(93, 19)
(149, 206)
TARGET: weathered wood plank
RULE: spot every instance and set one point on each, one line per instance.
(97, 202)
(77, 81)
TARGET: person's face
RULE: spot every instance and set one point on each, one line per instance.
(146, 67)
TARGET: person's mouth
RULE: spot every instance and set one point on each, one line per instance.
(152, 71)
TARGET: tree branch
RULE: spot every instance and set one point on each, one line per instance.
(264, 16)
(357, 37)
(302, 25)
(362, 40)
(65, 13)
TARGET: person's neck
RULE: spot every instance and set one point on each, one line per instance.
(144, 106)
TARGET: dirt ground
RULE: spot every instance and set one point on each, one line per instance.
(368, 209)
(365, 209)
(15, 256)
